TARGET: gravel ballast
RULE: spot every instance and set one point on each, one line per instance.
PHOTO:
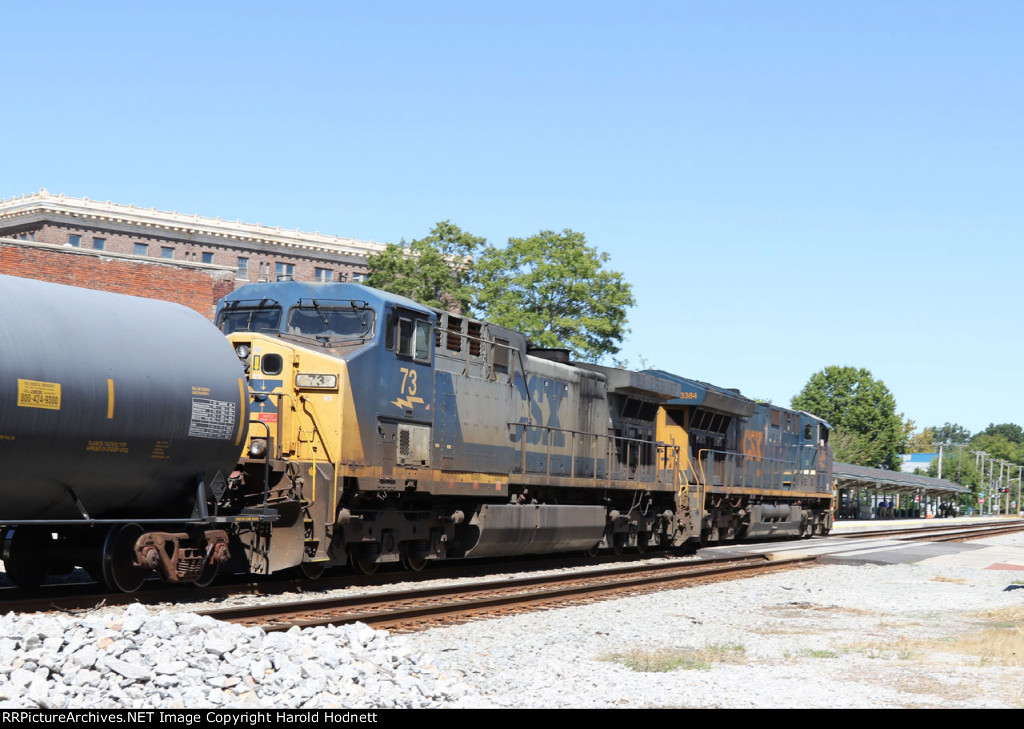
(826, 636)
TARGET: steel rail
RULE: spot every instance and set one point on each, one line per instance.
(415, 606)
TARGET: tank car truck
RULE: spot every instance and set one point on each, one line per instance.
(385, 431)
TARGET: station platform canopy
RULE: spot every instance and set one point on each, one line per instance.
(847, 475)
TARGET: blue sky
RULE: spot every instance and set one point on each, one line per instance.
(787, 185)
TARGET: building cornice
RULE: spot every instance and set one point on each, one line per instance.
(93, 212)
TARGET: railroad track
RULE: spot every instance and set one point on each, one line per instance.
(416, 609)
(408, 609)
(472, 602)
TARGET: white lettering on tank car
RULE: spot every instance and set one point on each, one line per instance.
(212, 419)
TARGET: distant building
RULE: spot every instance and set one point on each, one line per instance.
(255, 252)
(916, 460)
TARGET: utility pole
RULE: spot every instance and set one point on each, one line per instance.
(1001, 482)
(1020, 469)
(960, 460)
(980, 456)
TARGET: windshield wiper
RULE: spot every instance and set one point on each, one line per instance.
(356, 309)
(323, 318)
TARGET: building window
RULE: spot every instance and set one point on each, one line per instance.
(74, 240)
(207, 258)
(285, 269)
(358, 277)
(324, 275)
(243, 268)
(99, 244)
(141, 249)
(166, 251)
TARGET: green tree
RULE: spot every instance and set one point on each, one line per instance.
(1010, 431)
(553, 287)
(998, 447)
(961, 468)
(952, 433)
(436, 270)
(923, 442)
(869, 432)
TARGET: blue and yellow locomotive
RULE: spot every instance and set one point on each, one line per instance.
(354, 427)
(382, 430)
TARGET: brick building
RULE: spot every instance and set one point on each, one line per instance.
(196, 285)
(255, 252)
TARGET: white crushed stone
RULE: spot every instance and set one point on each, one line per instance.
(825, 637)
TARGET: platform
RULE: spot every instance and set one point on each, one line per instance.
(834, 549)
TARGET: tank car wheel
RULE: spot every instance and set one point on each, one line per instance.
(119, 572)
(312, 570)
(362, 563)
(592, 552)
(26, 553)
(207, 577)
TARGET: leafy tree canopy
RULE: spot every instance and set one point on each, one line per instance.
(436, 270)
(1004, 442)
(869, 432)
(554, 288)
(928, 440)
(922, 442)
(997, 447)
(952, 433)
(961, 468)
(1010, 431)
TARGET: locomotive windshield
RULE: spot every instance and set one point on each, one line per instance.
(331, 320)
(261, 319)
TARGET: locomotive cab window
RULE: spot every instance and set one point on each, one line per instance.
(331, 321)
(263, 319)
(272, 364)
(500, 355)
(408, 336)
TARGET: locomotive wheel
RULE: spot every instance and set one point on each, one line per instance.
(363, 563)
(413, 556)
(643, 541)
(117, 568)
(312, 570)
(26, 552)
(619, 542)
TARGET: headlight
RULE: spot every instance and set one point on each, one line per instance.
(242, 350)
(257, 448)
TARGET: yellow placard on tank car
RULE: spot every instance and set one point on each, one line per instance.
(35, 394)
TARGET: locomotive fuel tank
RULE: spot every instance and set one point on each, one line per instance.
(116, 402)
